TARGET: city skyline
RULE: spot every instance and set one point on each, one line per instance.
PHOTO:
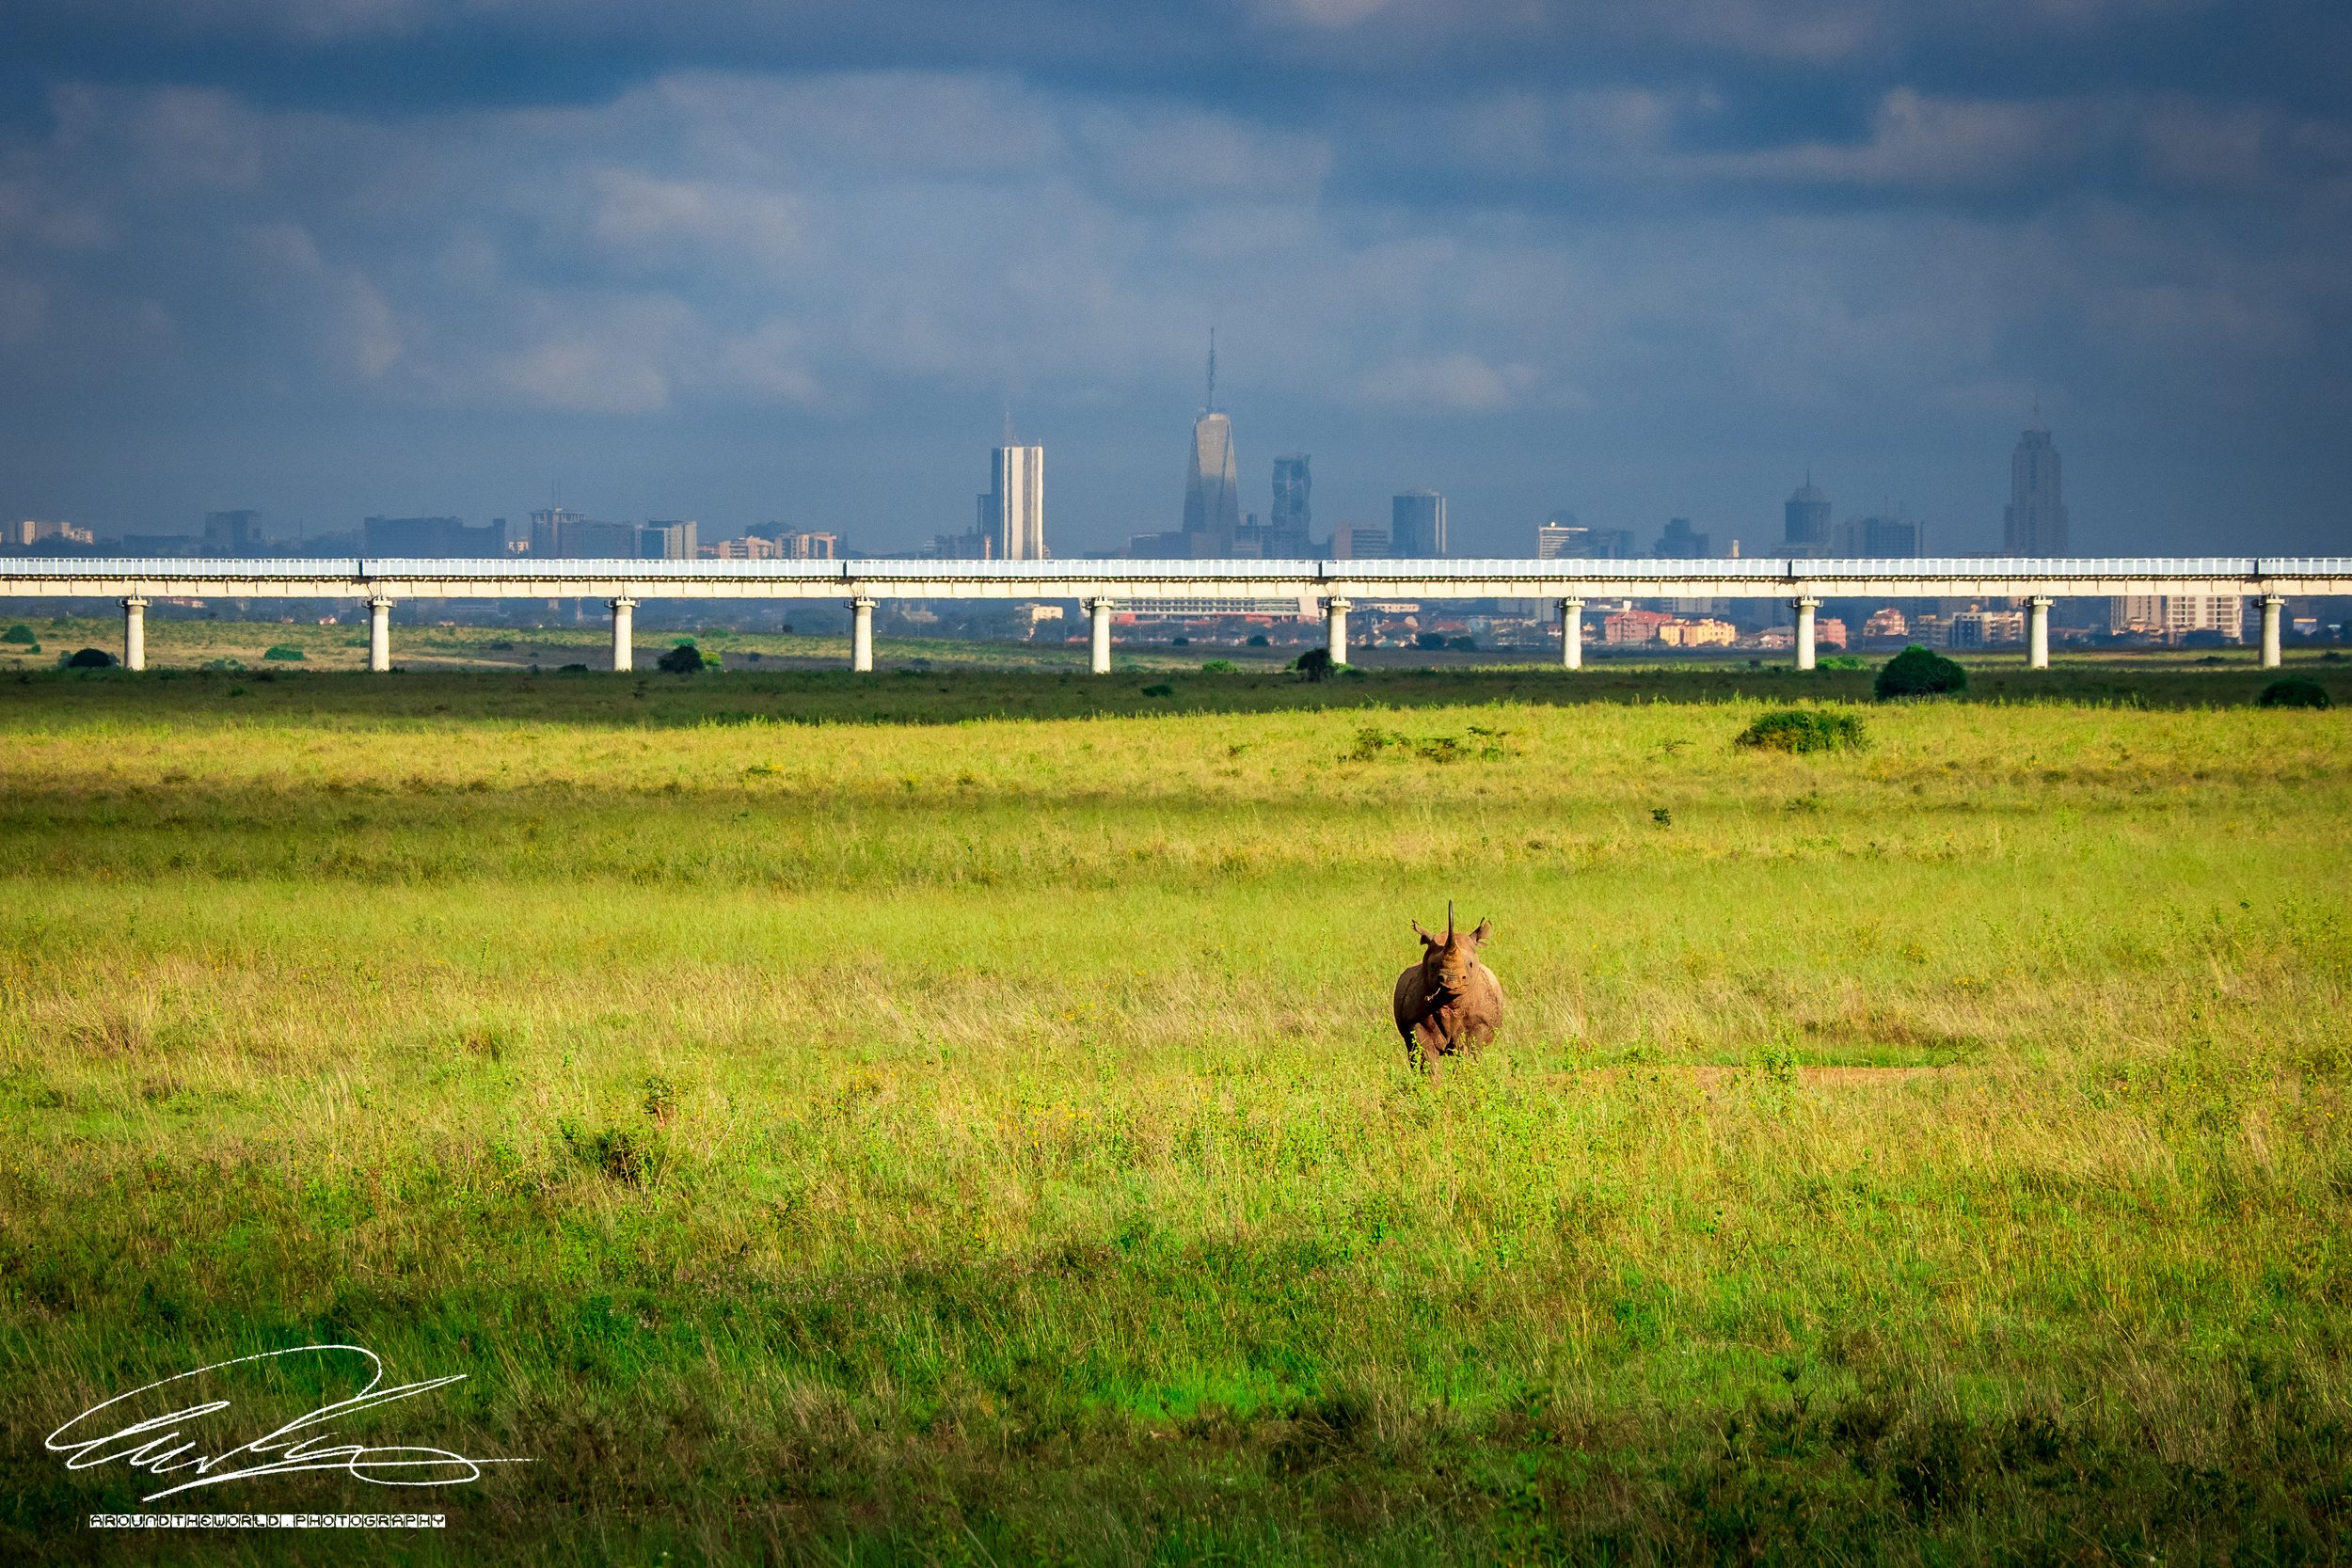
(1010, 522)
(1636, 264)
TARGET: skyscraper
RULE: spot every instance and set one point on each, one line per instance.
(2035, 521)
(1013, 512)
(1212, 482)
(1681, 542)
(1806, 527)
(232, 532)
(1416, 525)
(1560, 537)
(1289, 527)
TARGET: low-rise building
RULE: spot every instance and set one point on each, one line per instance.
(750, 547)
(1708, 633)
(36, 531)
(1986, 628)
(2174, 616)
(1630, 627)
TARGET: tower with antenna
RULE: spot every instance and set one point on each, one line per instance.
(1212, 479)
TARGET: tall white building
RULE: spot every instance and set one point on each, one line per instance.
(1013, 512)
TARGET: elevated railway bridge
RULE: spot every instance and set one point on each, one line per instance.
(1105, 587)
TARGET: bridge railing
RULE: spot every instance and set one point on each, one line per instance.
(1762, 570)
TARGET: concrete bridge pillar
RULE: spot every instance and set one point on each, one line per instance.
(624, 634)
(862, 635)
(1335, 627)
(379, 634)
(2037, 633)
(1571, 634)
(1804, 631)
(1101, 611)
(135, 633)
(2274, 606)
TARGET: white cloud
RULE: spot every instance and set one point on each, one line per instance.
(637, 211)
(1457, 382)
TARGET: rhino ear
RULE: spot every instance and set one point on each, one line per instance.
(1486, 930)
(1426, 940)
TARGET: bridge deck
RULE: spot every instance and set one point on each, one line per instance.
(1152, 581)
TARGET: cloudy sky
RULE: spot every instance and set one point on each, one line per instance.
(795, 260)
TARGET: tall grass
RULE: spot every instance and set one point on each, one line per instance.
(985, 1139)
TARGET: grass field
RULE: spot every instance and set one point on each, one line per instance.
(953, 1116)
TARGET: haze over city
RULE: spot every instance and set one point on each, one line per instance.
(436, 260)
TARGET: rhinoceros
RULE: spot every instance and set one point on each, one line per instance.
(1448, 1002)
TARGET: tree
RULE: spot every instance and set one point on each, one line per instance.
(90, 658)
(1917, 672)
(684, 659)
(1315, 664)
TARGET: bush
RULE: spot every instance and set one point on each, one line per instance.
(684, 659)
(1257, 639)
(1462, 644)
(1917, 672)
(283, 650)
(90, 659)
(19, 633)
(1315, 664)
(2293, 691)
(1219, 667)
(1429, 640)
(1798, 729)
(1841, 662)
(1159, 689)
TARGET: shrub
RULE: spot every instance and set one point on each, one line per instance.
(1798, 729)
(1159, 689)
(1315, 664)
(90, 659)
(1430, 639)
(282, 650)
(1917, 672)
(2293, 691)
(19, 633)
(684, 659)
(1219, 667)
(1462, 644)
(1841, 662)
(1257, 639)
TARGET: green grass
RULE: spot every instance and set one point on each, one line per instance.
(979, 1135)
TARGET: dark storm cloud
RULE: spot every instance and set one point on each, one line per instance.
(345, 257)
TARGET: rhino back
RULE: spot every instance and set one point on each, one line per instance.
(1483, 997)
(1412, 1000)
